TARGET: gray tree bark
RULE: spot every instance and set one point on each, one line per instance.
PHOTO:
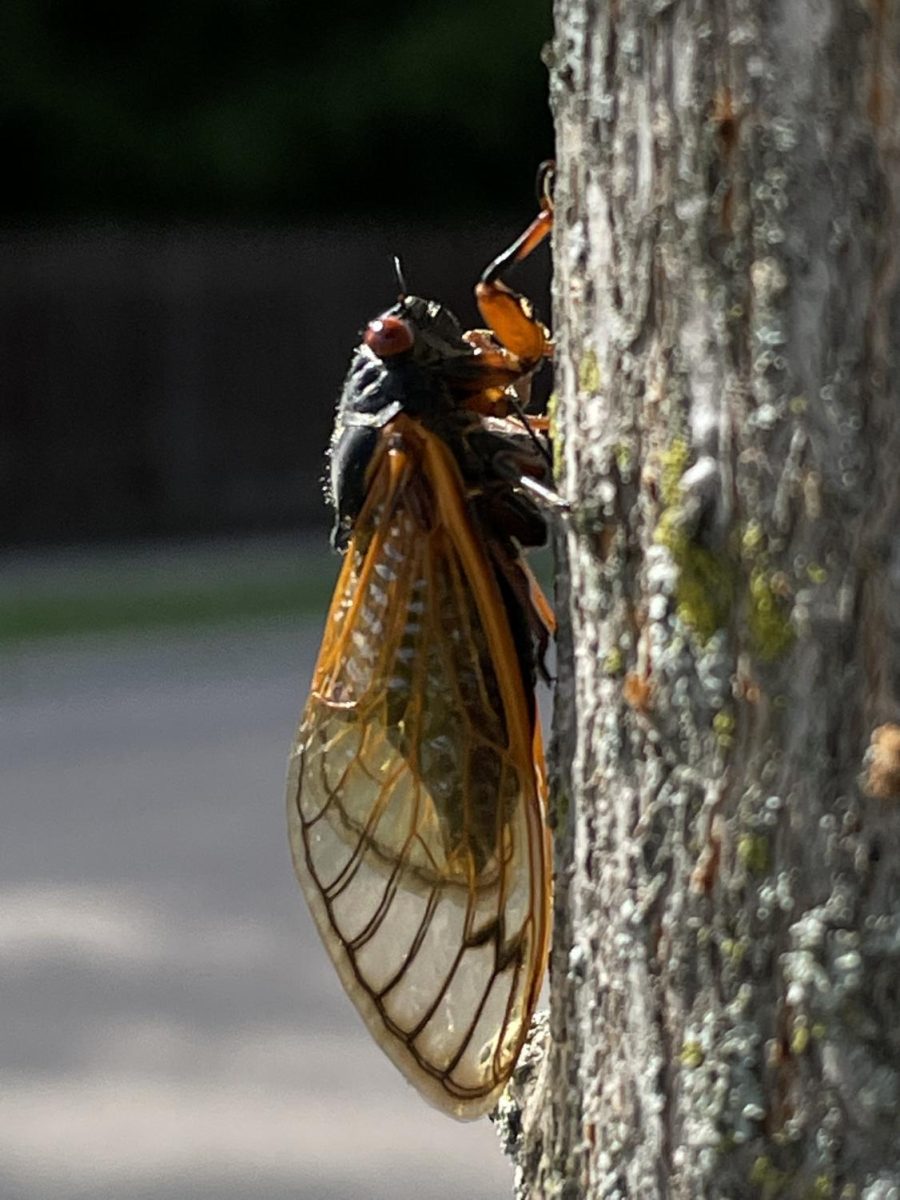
(725, 1018)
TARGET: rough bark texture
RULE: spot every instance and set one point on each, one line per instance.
(725, 1017)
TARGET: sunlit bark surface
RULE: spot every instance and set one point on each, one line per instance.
(725, 1017)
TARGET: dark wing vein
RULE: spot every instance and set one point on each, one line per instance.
(414, 810)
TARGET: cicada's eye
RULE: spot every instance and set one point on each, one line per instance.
(387, 336)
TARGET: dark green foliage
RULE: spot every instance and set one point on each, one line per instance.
(269, 110)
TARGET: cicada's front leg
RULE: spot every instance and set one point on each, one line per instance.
(515, 342)
(505, 356)
(510, 315)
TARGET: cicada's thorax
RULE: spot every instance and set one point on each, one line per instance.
(423, 383)
(432, 385)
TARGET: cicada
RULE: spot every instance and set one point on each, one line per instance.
(416, 784)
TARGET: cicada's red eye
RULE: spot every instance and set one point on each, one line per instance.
(387, 336)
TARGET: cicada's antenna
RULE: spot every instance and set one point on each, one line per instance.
(398, 275)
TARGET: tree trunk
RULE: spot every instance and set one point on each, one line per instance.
(725, 1017)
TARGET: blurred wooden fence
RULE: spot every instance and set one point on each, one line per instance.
(183, 382)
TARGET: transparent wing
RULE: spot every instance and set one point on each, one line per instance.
(414, 799)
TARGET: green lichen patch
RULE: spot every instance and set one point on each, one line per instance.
(706, 583)
(768, 613)
(710, 582)
(705, 591)
(816, 573)
(753, 853)
(724, 726)
(556, 438)
(613, 662)
(692, 1055)
(673, 463)
(822, 1188)
(589, 373)
(734, 949)
(752, 539)
(800, 1038)
(768, 1179)
(624, 456)
(770, 627)
(772, 1182)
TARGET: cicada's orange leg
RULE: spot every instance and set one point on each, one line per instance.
(514, 344)
(509, 315)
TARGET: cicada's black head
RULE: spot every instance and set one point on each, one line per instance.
(415, 330)
(405, 362)
(414, 347)
(408, 361)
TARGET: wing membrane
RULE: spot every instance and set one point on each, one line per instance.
(414, 798)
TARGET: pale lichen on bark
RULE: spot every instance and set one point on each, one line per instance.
(725, 1016)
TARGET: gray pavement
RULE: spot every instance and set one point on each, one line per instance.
(171, 1028)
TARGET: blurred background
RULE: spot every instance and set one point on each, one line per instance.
(201, 204)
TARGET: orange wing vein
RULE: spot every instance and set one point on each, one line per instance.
(415, 792)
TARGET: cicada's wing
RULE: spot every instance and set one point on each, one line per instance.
(414, 795)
